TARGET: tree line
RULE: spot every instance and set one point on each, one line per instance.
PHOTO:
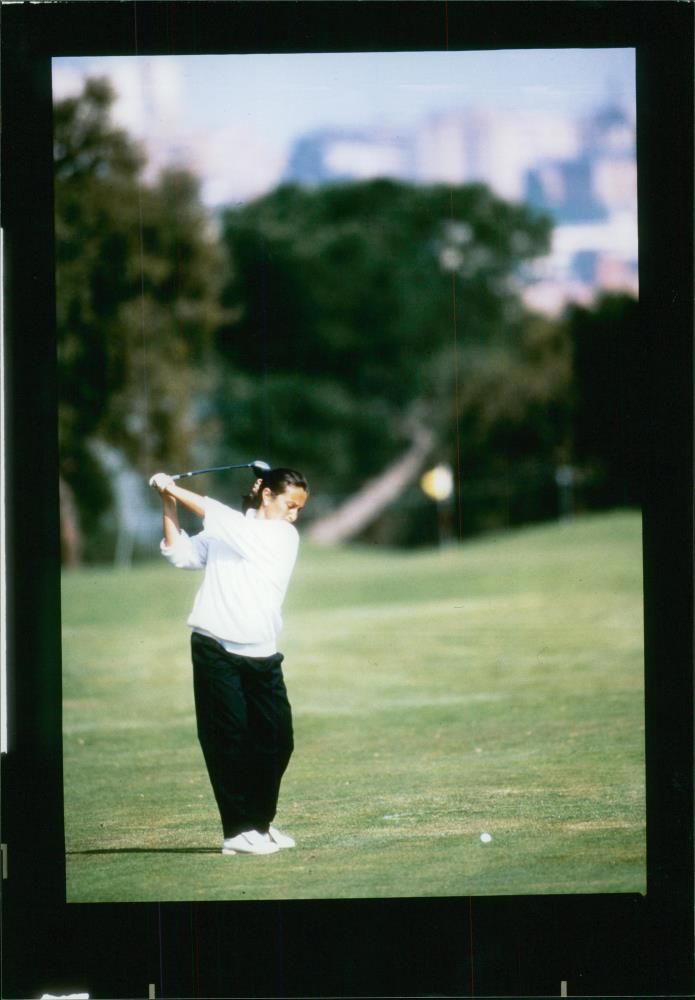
(358, 331)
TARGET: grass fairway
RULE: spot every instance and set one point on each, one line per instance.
(494, 686)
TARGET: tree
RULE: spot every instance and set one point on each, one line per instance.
(137, 268)
(608, 398)
(366, 314)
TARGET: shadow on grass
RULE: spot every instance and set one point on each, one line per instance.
(147, 850)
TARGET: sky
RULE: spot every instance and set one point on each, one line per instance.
(203, 110)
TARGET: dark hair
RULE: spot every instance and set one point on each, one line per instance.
(277, 481)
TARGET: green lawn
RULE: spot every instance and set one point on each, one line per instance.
(494, 686)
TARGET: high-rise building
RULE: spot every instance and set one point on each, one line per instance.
(582, 173)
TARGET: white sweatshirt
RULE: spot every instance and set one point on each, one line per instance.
(248, 562)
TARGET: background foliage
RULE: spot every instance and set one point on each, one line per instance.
(324, 328)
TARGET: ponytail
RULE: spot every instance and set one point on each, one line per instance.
(277, 481)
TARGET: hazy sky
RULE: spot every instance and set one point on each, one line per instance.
(232, 117)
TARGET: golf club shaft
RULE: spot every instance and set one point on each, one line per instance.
(262, 466)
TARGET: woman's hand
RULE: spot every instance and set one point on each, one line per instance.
(162, 482)
(170, 492)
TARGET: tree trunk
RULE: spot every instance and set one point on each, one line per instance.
(367, 504)
(70, 532)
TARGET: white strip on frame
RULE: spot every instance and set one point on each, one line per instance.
(3, 511)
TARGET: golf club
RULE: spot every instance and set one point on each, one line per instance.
(257, 466)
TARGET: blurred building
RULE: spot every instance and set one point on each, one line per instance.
(583, 173)
(340, 155)
(497, 148)
(586, 257)
(593, 199)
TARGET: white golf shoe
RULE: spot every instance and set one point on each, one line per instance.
(249, 842)
(281, 839)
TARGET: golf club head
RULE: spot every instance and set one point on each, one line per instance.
(259, 466)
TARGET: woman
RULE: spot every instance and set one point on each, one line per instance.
(243, 716)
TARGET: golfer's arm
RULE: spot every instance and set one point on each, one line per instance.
(170, 519)
(190, 500)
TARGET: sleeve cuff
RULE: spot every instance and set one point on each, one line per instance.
(164, 548)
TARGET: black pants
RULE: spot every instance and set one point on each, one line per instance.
(245, 730)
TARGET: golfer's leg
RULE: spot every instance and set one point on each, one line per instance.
(271, 739)
(222, 730)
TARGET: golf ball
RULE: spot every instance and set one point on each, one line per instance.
(485, 837)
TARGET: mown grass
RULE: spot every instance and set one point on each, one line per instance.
(493, 686)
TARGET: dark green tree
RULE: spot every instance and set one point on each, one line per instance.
(137, 273)
(365, 314)
(609, 383)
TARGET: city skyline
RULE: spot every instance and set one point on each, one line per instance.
(186, 110)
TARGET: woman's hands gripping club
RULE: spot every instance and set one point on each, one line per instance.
(169, 491)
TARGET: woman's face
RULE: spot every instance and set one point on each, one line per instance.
(283, 506)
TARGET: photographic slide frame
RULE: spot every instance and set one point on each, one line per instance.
(496, 946)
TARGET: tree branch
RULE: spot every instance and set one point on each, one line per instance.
(367, 504)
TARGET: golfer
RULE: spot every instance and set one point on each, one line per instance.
(243, 716)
